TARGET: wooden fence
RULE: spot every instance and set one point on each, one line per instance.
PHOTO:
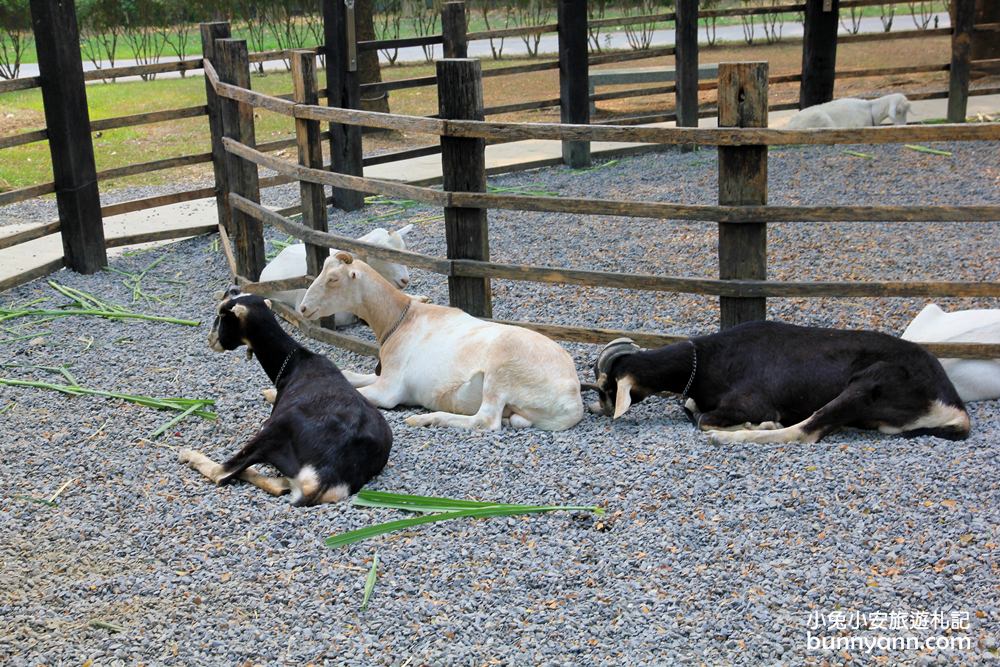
(742, 140)
(76, 180)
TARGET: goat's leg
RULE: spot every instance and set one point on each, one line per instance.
(276, 486)
(383, 393)
(489, 417)
(359, 380)
(855, 404)
(735, 417)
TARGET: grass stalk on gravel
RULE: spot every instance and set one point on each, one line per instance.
(370, 582)
(88, 305)
(437, 509)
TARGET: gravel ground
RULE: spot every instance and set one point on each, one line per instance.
(707, 555)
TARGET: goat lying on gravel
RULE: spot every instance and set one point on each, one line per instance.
(323, 437)
(291, 263)
(473, 373)
(851, 112)
(747, 379)
(974, 379)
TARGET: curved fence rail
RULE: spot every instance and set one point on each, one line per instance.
(731, 215)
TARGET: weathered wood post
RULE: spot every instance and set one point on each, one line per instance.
(986, 42)
(962, 17)
(819, 52)
(241, 175)
(463, 162)
(454, 29)
(686, 62)
(574, 72)
(209, 33)
(742, 182)
(310, 144)
(67, 122)
(343, 89)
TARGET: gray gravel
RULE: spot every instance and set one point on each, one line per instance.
(708, 554)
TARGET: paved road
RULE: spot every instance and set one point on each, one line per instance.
(549, 43)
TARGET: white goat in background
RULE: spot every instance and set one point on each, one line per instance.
(291, 263)
(974, 379)
(473, 373)
(851, 112)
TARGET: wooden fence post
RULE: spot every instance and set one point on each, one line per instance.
(686, 62)
(237, 123)
(67, 122)
(209, 33)
(463, 162)
(453, 30)
(962, 16)
(819, 52)
(574, 72)
(307, 136)
(343, 90)
(742, 182)
(986, 43)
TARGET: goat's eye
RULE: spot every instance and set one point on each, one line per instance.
(331, 280)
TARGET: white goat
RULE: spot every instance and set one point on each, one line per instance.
(852, 112)
(974, 379)
(473, 373)
(291, 263)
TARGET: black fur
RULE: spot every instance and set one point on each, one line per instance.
(318, 418)
(769, 371)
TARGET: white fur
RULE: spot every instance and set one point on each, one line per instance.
(291, 263)
(974, 379)
(472, 373)
(851, 112)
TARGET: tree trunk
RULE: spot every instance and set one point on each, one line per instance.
(369, 70)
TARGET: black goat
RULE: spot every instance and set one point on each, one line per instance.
(747, 379)
(322, 435)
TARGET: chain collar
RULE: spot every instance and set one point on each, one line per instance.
(395, 326)
(282, 371)
(694, 369)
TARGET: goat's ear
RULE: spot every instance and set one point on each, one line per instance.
(269, 304)
(345, 257)
(623, 400)
(240, 311)
(892, 109)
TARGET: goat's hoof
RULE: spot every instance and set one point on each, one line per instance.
(186, 455)
(420, 420)
(270, 395)
(720, 437)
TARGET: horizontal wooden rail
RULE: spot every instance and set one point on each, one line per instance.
(23, 138)
(25, 83)
(161, 235)
(512, 32)
(139, 70)
(520, 69)
(522, 106)
(631, 20)
(396, 156)
(147, 118)
(400, 84)
(154, 165)
(30, 234)
(545, 274)
(652, 135)
(403, 42)
(31, 274)
(707, 213)
(154, 202)
(279, 54)
(23, 194)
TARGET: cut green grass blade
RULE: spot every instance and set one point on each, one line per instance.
(6, 314)
(472, 509)
(925, 149)
(370, 582)
(353, 536)
(867, 156)
(170, 424)
(179, 404)
(25, 337)
(40, 501)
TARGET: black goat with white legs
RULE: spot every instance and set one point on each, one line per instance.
(749, 380)
(323, 436)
